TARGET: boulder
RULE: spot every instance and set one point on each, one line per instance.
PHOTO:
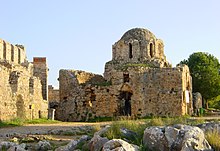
(128, 134)
(97, 142)
(103, 130)
(176, 138)
(73, 144)
(6, 145)
(18, 148)
(120, 145)
(43, 146)
(154, 138)
(197, 102)
(210, 126)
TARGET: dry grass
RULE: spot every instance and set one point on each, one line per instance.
(213, 137)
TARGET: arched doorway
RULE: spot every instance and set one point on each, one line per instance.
(125, 103)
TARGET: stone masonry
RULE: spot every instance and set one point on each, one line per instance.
(137, 82)
(21, 94)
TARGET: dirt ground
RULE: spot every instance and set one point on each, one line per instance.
(42, 129)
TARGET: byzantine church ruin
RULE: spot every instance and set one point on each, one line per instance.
(137, 82)
(23, 84)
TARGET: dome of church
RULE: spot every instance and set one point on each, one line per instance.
(139, 34)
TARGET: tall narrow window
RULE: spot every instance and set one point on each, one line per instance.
(151, 50)
(12, 53)
(19, 55)
(130, 51)
(4, 50)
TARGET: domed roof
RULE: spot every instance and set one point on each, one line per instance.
(139, 34)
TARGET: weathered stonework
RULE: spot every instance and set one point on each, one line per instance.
(138, 81)
(20, 91)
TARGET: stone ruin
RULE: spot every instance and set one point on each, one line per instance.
(137, 82)
(23, 85)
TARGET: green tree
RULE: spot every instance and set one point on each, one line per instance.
(205, 72)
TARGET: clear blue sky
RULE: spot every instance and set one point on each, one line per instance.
(79, 34)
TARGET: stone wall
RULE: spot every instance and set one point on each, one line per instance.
(41, 71)
(12, 53)
(146, 92)
(53, 97)
(139, 45)
(20, 91)
(137, 82)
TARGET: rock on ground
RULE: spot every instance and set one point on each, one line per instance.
(119, 145)
(73, 144)
(97, 142)
(43, 146)
(176, 138)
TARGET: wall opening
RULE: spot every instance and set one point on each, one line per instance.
(19, 55)
(20, 107)
(12, 53)
(31, 86)
(130, 51)
(125, 106)
(126, 77)
(151, 50)
(4, 50)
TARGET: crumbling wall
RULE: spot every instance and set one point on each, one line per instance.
(41, 70)
(77, 90)
(53, 97)
(136, 91)
(138, 82)
(20, 93)
(12, 53)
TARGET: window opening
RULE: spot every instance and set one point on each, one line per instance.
(19, 56)
(4, 50)
(130, 51)
(12, 53)
(151, 50)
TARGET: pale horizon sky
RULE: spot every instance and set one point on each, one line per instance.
(79, 34)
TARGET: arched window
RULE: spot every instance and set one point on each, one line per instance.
(130, 51)
(151, 50)
(4, 50)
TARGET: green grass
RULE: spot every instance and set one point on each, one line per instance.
(101, 119)
(133, 125)
(20, 122)
(41, 121)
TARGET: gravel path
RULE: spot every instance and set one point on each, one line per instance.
(43, 129)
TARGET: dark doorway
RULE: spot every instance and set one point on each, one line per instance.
(126, 77)
(125, 106)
